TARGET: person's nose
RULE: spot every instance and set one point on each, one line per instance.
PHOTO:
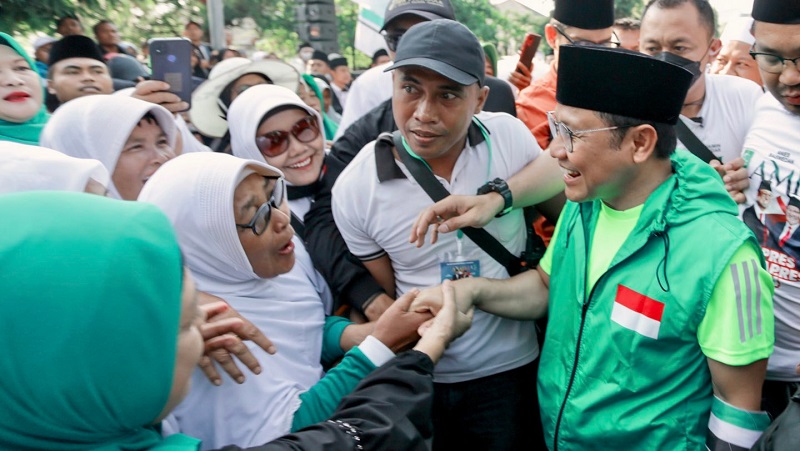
(425, 110)
(9, 77)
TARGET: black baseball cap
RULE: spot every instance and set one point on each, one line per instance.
(445, 47)
(426, 9)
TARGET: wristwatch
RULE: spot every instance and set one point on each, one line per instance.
(500, 187)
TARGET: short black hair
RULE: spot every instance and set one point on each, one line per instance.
(192, 22)
(97, 25)
(667, 139)
(628, 23)
(707, 16)
(65, 18)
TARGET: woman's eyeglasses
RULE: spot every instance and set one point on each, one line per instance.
(274, 143)
(261, 219)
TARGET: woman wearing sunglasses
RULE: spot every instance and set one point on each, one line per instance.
(232, 222)
(272, 124)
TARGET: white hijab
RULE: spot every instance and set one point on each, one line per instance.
(33, 168)
(250, 107)
(97, 127)
(196, 192)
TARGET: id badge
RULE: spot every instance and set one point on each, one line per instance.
(457, 265)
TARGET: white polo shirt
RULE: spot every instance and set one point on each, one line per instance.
(772, 154)
(727, 114)
(375, 215)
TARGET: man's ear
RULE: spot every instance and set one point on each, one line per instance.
(642, 141)
(483, 94)
(714, 48)
(550, 34)
(50, 88)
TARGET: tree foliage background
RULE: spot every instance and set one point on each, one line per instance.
(139, 20)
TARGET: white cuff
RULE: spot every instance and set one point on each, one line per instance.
(375, 351)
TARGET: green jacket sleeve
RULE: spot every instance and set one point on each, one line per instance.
(331, 338)
(319, 402)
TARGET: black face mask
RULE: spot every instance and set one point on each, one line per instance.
(691, 66)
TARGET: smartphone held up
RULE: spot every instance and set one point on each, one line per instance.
(171, 62)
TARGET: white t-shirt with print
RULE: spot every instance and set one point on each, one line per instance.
(772, 154)
(376, 217)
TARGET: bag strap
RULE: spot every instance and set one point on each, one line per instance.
(693, 143)
(423, 175)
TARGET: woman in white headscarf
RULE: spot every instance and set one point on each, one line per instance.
(131, 137)
(233, 227)
(33, 168)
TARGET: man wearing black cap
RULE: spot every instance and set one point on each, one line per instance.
(485, 396)
(585, 22)
(319, 64)
(76, 69)
(659, 304)
(340, 78)
(771, 153)
(718, 110)
(374, 86)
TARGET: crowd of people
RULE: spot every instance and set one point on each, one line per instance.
(432, 255)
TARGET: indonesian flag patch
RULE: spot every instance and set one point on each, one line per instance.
(637, 312)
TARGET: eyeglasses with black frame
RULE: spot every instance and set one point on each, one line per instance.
(612, 44)
(274, 143)
(559, 129)
(773, 64)
(261, 219)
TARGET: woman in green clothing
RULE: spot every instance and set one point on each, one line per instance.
(22, 111)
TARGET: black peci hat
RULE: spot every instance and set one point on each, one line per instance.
(320, 55)
(622, 82)
(585, 14)
(784, 12)
(445, 47)
(75, 46)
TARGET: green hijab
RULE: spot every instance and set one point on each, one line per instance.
(89, 315)
(491, 53)
(330, 126)
(25, 132)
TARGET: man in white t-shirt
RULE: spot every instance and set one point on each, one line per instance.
(717, 109)
(772, 155)
(374, 86)
(485, 392)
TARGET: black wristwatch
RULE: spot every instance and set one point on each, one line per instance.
(500, 187)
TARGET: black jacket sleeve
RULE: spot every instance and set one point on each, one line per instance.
(350, 282)
(389, 410)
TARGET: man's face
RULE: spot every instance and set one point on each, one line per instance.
(792, 215)
(628, 39)
(783, 41)
(341, 76)
(397, 27)
(433, 112)
(734, 59)
(107, 34)
(193, 33)
(318, 67)
(594, 169)
(680, 31)
(42, 54)
(77, 77)
(558, 35)
(146, 149)
(70, 27)
(764, 196)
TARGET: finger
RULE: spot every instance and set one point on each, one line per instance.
(208, 368)
(150, 86)
(404, 302)
(241, 351)
(175, 107)
(735, 164)
(739, 197)
(224, 358)
(249, 331)
(420, 227)
(424, 327)
(213, 309)
(220, 327)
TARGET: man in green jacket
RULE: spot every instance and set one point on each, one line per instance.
(660, 310)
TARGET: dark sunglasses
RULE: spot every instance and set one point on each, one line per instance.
(392, 39)
(261, 219)
(272, 144)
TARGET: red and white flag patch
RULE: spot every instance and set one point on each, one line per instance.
(637, 312)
